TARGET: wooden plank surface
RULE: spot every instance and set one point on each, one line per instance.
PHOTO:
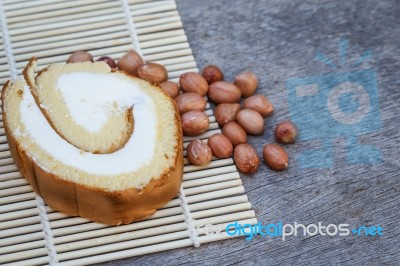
(278, 40)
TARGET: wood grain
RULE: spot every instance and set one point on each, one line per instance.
(278, 40)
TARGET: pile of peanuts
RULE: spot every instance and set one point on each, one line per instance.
(236, 121)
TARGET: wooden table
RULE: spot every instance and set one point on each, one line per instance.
(279, 40)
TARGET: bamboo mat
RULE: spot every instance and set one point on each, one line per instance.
(51, 30)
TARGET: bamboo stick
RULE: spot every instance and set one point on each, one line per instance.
(144, 240)
(18, 223)
(13, 215)
(100, 34)
(168, 55)
(111, 45)
(133, 2)
(51, 18)
(154, 9)
(30, 4)
(22, 230)
(21, 41)
(17, 206)
(151, 248)
(26, 254)
(43, 62)
(14, 191)
(210, 180)
(208, 196)
(93, 26)
(6, 161)
(8, 241)
(205, 135)
(213, 187)
(61, 31)
(164, 27)
(3, 139)
(62, 12)
(24, 246)
(178, 73)
(209, 172)
(7, 168)
(44, 8)
(168, 45)
(2, 132)
(8, 2)
(17, 198)
(119, 49)
(66, 43)
(175, 60)
(180, 66)
(92, 245)
(166, 39)
(5, 73)
(157, 21)
(147, 4)
(67, 24)
(145, 17)
(13, 183)
(161, 217)
(62, 58)
(3, 147)
(9, 176)
(215, 164)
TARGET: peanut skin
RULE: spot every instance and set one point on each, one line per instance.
(260, 104)
(286, 132)
(190, 101)
(153, 72)
(194, 123)
(251, 121)
(199, 153)
(108, 60)
(220, 145)
(226, 112)
(275, 157)
(247, 83)
(212, 74)
(193, 82)
(130, 62)
(171, 88)
(224, 92)
(80, 56)
(235, 133)
(246, 158)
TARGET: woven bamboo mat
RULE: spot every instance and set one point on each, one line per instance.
(51, 30)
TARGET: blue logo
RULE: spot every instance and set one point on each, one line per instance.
(337, 104)
(282, 230)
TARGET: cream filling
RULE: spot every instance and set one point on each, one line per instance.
(91, 97)
(138, 151)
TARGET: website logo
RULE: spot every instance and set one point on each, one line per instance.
(283, 231)
(342, 103)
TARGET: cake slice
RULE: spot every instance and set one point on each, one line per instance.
(95, 143)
